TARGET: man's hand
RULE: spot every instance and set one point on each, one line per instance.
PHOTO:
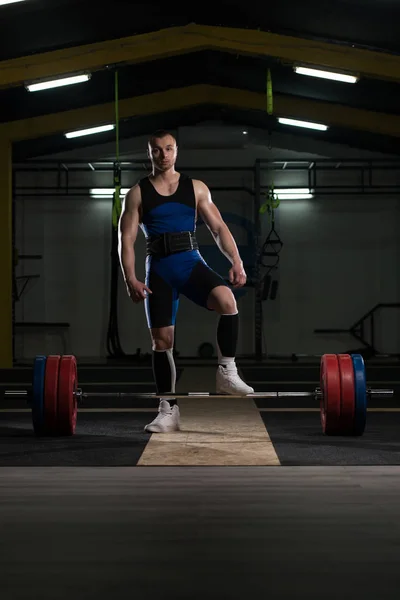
(237, 275)
(137, 290)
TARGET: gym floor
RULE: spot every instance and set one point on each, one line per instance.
(249, 498)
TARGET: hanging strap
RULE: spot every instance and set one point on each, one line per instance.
(271, 200)
(117, 204)
(270, 98)
(273, 244)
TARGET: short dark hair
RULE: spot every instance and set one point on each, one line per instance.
(159, 133)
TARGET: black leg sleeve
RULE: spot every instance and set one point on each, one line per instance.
(227, 336)
(164, 371)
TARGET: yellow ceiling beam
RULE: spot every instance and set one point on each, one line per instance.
(187, 97)
(101, 114)
(192, 38)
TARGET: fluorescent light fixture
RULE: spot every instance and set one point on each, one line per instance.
(47, 85)
(326, 74)
(306, 124)
(291, 191)
(2, 2)
(107, 192)
(74, 134)
(293, 194)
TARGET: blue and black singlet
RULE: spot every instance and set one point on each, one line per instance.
(184, 272)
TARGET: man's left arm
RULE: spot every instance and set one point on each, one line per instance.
(224, 239)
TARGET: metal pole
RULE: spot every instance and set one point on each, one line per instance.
(14, 266)
(317, 393)
(258, 320)
(81, 394)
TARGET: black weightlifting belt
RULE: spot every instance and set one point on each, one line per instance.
(171, 243)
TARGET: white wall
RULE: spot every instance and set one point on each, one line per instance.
(73, 236)
(339, 258)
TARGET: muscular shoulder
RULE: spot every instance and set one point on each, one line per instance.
(133, 197)
(201, 190)
(132, 203)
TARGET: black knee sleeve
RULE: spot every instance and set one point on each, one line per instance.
(164, 371)
(227, 335)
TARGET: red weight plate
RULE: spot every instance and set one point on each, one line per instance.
(348, 403)
(67, 404)
(51, 394)
(331, 394)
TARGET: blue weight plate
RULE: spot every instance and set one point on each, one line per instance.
(39, 370)
(360, 416)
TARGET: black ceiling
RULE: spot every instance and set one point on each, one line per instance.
(42, 25)
(36, 26)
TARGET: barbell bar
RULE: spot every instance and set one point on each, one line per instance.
(342, 394)
(317, 393)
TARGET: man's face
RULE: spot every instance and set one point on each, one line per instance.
(163, 152)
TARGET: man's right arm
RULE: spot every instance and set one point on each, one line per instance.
(127, 234)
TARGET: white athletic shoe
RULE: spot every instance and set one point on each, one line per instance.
(168, 419)
(229, 382)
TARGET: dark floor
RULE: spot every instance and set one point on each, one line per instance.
(281, 533)
(117, 439)
(298, 440)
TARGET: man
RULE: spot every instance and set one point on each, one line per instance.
(166, 205)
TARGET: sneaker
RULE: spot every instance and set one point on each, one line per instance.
(166, 420)
(229, 382)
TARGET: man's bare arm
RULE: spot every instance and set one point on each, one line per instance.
(127, 233)
(218, 228)
(220, 231)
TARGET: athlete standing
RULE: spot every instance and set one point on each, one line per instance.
(166, 205)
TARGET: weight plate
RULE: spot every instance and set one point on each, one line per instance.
(331, 394)
(67, 405)
(347, 384)
(51, 394)
(360, 418)
(39, 367)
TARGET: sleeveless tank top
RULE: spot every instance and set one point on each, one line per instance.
(163, 214)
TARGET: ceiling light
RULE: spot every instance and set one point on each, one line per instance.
(106, 192)
(9, 1)
(46, 85)
(293, 193)
(306, 124)
(326, 74)
(244, 132)
(294, 196)
(74, 134)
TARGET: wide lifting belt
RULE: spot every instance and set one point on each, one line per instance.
(170, 243)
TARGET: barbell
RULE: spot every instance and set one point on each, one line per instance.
(342, 395)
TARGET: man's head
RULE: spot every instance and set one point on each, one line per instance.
(162, 150)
